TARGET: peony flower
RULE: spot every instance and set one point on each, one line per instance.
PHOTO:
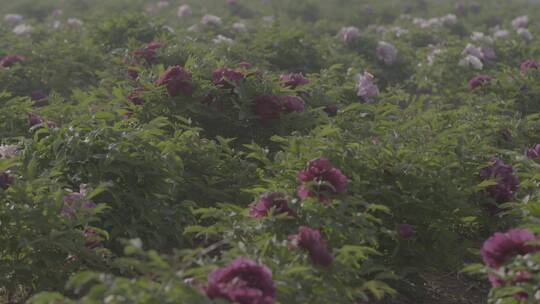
(501, 34)
(507, 183)
(222, 39)
(211, 20)
(331, 110)
(479, 81)
(274, 200)
(534, 152)
(76, 197)
(449, 20)
(239, 27)
(135, 96)
(177, 80)
(34, 120)
(528, 65)
(92, 239)
(348, 34)
(225, 77)
(294, 104)
(501, 247)
(268, 108)
(520, 22)
(243, 281)
(74, 22)
(6, 180)
(319, 179)
(405, 230)
(133, 73)
(473, 61)
(386, 52)
(8, 151)
(525, 34)
(473, 51)
(13, 19)
(488, 53)
(367, 90)
(57, 13)
(163, 4)
(23, 30)
(310, 240)
(148, 53)
(293, 80)
(184, 11)
(8, 61)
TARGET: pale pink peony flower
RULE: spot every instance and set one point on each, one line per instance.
(23, 30)
(239, 27)
(525, 34)
(13, 19)
(520, 22)
(211, 20)
(8, 151)
(184, 11)
(348, 34)
(386, 52)
(472, 61)
(367, 90)
(74, 22)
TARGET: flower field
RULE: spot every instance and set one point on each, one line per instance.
(270, 151)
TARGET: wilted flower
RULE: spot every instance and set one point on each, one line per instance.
(243, 281)
(177, 80)
(8, 151)
(268, 108)
(72, 198)
(184, 11)
(239, 27)
(268, 201)
(501, 247)
(348, 34)
(331, 110)
(527, 65)
(293, 80)
(74, 22)
(13, 19)
(135, 96)
(520, 22)
(92, 239)
(34, 120)
(479, 81)
(366, 88)
(534, 152)
(211, 20)
(8, 61)
(133, 73)
(405, 230)
(6, 180)
(225, 77)
(320, 179)
(148, 53)
(23, 29)
(386, 52)
(222, 39)
(310, 240)
(294, 104)
(525, 34)
(507, 183)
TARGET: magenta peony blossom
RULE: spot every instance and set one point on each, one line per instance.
(225, 77)
(501, 247)
(74, 197)
(386, 52)
(320, 179)
(148, 53)
(243, 281)
(367, 90)
(8, 61)
(294, 104)
(479, 81)
(293, 80)
(268, 108)
(534, 152)
(507, 183)
(177, 80)
(133, 73)
(6, 180)
(348, 34)
(310, 240)
(405, 230)
(274, 200)
(528, 65)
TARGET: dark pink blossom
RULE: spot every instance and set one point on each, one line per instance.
(528, 65)
(331, 110)
(534, 152)
(275, 200)
(310, 240)
(225, 77)
(133, 73)
(293, 80)
(8, 61)
(501, 247)
(148, 53)
(507, 183)
(92, 239)
(74, 198)
(320, 179)
(479, 81)
(405, 230)
(177, 80)
(268, 108)
(34, 120)
(6, 180)
(243, 281)
(294, 104)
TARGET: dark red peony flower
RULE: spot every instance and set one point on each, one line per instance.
(34, 120)
(177, 80)
(243, 281)
(479, 81)
(275, 200)
(6, 180)
(268, 108)
(320, 179)
(501, 247)
(405, 230)
(8, 61)
(294, 104)
(293, 80)
(225, 77)
(310, 240)
(528, 65)
(331, 110)
(148, 53)
(133, 73)
(507, 183)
